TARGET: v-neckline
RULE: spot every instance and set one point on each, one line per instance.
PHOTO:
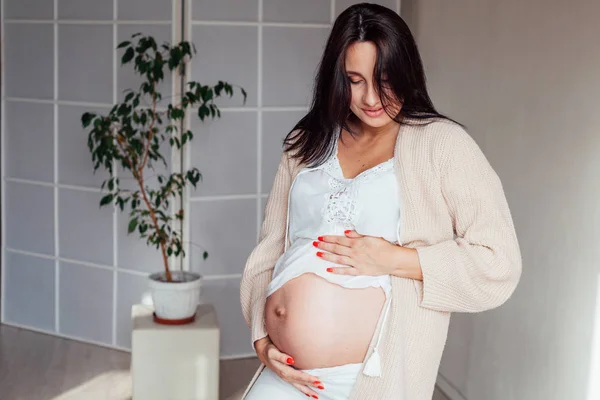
(338, 165)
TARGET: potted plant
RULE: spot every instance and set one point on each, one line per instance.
(131, 135)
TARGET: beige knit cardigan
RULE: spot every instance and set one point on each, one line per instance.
(454, 212)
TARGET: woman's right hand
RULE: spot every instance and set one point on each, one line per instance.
(280, 363)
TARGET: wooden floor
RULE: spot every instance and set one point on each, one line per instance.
(35, 366)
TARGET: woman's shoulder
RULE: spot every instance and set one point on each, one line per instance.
(440, 133)
(434, 128)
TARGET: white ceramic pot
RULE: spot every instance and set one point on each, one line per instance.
(178, 299)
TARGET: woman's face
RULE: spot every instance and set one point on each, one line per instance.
(366, 103)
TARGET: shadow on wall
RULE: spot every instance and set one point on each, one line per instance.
(594, 376)
(410, 14)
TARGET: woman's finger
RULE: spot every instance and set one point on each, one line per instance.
(281, 364)
(352, 233)
(341, 240)
(333, 248)
(343, 271)
(334, 258)
(303, 378)
(304, 389)
(292, 375)
(274, 354)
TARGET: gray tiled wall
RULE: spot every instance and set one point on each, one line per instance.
(70, 267)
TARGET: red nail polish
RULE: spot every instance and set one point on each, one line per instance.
(316, 244)
(329, 269)
(307, 395)
(321, 387)
(290, 360)
(317, 382)
(319, 254)
(316, 397)
(347, 231)
(321, 238)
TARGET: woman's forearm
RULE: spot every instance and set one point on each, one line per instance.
(404, 263)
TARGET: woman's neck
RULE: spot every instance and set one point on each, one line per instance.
(369, 133)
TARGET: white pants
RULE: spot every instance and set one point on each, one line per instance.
(338, 383)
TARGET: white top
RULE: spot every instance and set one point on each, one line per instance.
(323, 202)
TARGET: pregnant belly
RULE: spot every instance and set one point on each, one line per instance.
(321, 324)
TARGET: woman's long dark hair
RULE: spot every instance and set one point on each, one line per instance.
(398, 59)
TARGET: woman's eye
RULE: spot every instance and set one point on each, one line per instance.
(354, 82)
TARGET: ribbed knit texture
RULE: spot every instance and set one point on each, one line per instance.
(447, 187)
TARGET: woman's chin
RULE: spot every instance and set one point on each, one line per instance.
(375, 122)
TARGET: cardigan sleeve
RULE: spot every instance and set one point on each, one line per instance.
(479, 269)
(259, 265)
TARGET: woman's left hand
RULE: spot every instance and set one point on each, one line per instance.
(368, 255)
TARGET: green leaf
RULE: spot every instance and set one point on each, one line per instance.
(208, 95)
(203, 112)
(132, 225)
(205, 255)
(152, 43)
(127, 56)
(106, 200)
(123, 44)
(129, 96)
(86, 119)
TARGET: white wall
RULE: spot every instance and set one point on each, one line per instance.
(524, 76)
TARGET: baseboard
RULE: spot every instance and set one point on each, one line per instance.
(238, 356)
(448, 389)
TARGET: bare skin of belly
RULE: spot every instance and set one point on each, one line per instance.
(321, 324)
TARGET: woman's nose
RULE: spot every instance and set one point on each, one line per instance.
(370, 97)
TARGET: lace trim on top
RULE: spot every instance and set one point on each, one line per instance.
(341, 206)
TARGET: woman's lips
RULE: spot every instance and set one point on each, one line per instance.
(373, 112)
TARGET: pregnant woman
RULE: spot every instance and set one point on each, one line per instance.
(384, 217)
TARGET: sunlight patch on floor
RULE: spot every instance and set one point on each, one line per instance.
(109, 385)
